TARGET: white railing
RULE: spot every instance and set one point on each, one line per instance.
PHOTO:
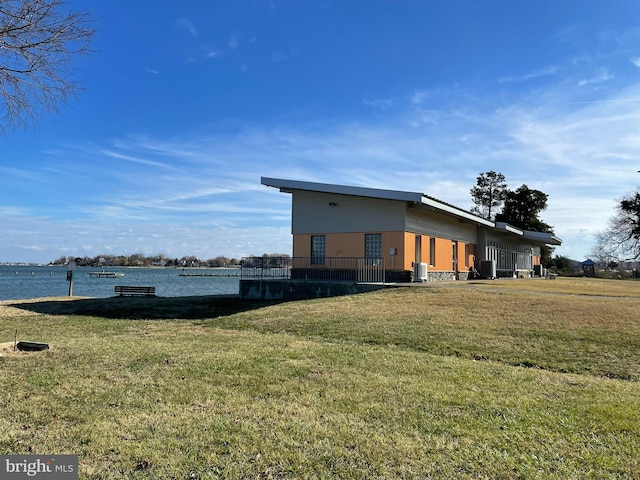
(510, 258)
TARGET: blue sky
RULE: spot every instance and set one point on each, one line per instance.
(187, 104)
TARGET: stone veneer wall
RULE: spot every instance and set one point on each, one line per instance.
(298, 289)
(440, 276)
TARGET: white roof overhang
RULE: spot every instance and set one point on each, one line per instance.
(508, 228)
(542, 237)
(289, 186)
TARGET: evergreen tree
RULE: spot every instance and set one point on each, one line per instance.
(488, 194)
(522, 207)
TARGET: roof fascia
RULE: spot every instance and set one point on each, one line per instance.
(544, 237)
(289, 186)
(432, 202)
(509, 228)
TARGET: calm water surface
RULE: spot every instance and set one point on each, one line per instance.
(18, 282)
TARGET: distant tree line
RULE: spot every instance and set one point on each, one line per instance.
(159, 260)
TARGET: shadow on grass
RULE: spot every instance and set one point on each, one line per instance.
(147, 308)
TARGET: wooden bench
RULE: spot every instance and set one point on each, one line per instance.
(552, 276)
(127, 290)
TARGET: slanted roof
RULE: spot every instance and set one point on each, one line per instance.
(508, 228)
(289, 186)
(416, 198)
(541, 237)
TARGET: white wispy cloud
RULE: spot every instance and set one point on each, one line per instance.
(544, 72)
(418, 97)
(212, 53)
(379, 104)
(602, 76)
(278, 56)
(176, 239)
(129, 158)
(22, 174)
(188, 25)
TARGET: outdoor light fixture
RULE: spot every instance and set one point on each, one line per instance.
(331, 204)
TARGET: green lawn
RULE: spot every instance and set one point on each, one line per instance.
(505, 379)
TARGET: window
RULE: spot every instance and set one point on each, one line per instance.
(432, 251)
(318, 249)
(467, 254)
(373, 246)
(454, 256)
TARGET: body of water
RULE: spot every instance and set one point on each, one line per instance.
(19, 282)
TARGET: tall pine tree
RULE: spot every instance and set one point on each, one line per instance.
(488, 194)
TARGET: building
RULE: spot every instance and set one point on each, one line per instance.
(415, 236)
(589, 268)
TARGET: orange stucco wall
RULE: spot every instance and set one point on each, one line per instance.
(409, 247)
(404, 243)
(444, 256)
(443, 253)
(352, 245)
(472, 252)
(404, 246)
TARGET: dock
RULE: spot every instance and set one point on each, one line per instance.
(208, 274)
(104, 274)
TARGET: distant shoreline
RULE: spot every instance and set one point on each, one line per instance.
(40, 265)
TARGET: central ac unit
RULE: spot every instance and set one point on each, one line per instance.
(420, 273)
(488, 269)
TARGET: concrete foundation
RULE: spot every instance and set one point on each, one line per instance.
(285, 289)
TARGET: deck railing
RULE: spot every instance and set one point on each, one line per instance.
(329, 269)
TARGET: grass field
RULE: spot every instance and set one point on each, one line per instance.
(503, 379)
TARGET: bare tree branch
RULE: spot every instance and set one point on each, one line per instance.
(39, 40)
(621, 239)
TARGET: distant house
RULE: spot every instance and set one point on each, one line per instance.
(589, 268)
(412, 233)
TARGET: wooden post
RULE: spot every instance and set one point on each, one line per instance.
(72, 265)
(70, 279)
